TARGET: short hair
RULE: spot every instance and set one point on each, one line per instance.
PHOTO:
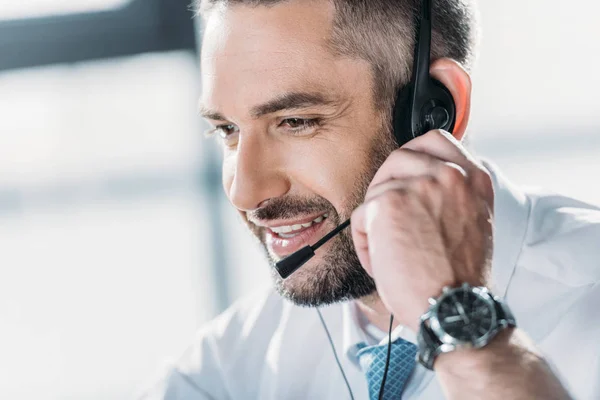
(383, 32)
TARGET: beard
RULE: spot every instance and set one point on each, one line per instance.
(337, 275)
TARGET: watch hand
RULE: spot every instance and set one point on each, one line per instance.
(454, 318)
(461, 310)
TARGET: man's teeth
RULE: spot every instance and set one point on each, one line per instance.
(297, 227)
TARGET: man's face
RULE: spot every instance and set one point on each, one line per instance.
(301, 137)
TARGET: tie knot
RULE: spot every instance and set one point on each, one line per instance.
(372, 362)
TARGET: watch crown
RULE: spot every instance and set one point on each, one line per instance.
(432, 301)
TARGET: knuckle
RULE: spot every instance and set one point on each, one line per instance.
(452, 174)
(426, 185)
(391, 199)
(399, 153)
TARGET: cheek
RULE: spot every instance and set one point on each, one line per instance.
(331, 171)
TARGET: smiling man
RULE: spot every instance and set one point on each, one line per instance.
(300, 93)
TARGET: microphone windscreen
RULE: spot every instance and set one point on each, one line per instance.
(291, 263)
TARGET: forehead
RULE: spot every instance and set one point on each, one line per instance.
(252, 54)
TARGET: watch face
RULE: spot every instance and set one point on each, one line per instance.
(465, 315)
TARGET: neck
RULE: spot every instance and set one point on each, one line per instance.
(374, 310)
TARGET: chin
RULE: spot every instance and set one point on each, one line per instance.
(321, 282)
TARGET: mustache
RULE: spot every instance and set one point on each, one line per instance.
(290, 207)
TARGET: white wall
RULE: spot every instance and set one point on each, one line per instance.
(537, 68)
(535, 104)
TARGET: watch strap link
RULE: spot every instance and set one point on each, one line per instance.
(428, 343)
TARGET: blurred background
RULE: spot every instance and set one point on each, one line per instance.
(116, 242)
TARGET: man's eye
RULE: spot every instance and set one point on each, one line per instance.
(225, 130)
(299, 124)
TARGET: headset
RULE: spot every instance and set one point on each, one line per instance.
(420, 106)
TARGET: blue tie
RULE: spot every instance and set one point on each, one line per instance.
(372, 363)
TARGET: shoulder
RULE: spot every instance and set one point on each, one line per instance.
(221, 360)
(243, 324)
(562, 240)
(251, 315)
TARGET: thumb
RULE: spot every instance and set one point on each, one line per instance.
(360, 239)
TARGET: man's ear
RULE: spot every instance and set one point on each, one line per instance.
(458, 81)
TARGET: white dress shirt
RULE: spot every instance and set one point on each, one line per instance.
(546, 264)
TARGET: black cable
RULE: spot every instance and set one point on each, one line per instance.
(331, 234)
(387, 358)
(337, 360)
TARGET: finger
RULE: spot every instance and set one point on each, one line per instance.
(392, 184)
(443, 145)
(426, 188)
(407, 163)
(420, 185)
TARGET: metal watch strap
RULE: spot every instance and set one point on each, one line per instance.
(429, 345)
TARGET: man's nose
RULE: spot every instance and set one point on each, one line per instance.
(259, 173)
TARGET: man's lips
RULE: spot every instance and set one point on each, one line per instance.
(277, 223)
(282, 242)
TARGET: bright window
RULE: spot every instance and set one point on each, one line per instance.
(10, 9)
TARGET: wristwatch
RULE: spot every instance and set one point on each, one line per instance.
(462, 317)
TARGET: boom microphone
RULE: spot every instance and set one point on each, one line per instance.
(290, 264)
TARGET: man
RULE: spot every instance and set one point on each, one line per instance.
(300, 93)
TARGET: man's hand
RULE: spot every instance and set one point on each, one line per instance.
(426, 223)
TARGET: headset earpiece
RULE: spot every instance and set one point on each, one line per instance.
(432, 109)
(425, 103)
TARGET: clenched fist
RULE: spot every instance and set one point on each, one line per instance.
(426, 223)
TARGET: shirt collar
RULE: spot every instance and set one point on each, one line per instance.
(354, 333)
(511, 214)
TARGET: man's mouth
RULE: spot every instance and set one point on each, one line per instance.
(283, 240)
(290, 231)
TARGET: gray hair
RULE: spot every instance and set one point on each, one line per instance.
(382, 32)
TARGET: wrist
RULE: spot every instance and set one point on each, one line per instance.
(466, 361)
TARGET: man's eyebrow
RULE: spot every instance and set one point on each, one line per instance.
(287, 101)
(210, 114)
(291, 100)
